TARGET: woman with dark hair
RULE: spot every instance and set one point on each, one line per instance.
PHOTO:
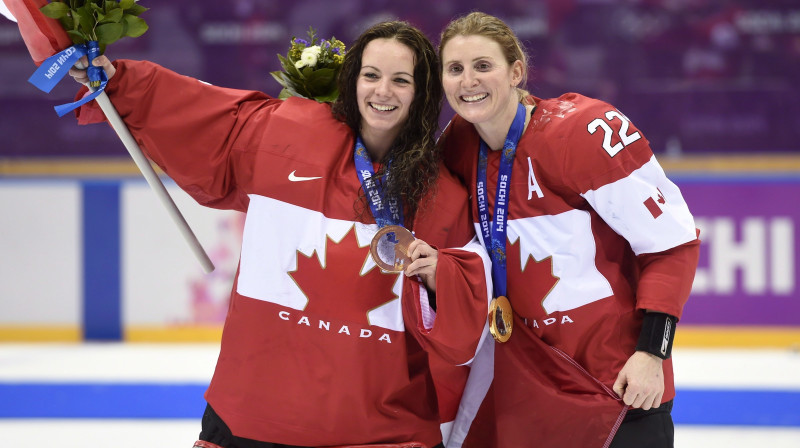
(415, 162)
(320, 347)
(593, 250)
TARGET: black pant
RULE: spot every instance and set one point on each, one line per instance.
(214, 430)
(652, 428)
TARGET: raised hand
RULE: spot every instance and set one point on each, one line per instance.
(78, 71)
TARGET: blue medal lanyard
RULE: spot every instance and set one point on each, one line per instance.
(494, 236)
(385, 211)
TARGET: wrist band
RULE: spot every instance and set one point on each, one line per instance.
(658, 333)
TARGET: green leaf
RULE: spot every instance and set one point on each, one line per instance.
(136, 9)
(283, 79)
(323, 75)
(319, 89)
(113, 16)
(55, 10)
(108, 33)
(67, 22)
(284, 94)
(296, 89)
(86, 20)
(126, 4)
(277, 77)
(135, 26)
(293, 71)
(77, 37)
(285, 63)
(329, 98)
(312, 36)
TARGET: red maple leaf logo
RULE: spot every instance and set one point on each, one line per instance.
(651, 205)
(531, 283)
(661, 199)
(335, 287)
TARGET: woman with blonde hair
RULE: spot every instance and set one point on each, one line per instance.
(593, 254)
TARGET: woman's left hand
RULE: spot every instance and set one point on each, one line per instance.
(423, 263)
(78, 71)
(640, 383)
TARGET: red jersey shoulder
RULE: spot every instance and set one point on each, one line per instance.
(304, 130)
(459, 144)
(576, 118)
(594, 140)
(298, 117)
(443, 219)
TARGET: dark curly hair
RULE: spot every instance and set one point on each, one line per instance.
(414, 155)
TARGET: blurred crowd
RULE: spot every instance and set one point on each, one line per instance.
(696, 76)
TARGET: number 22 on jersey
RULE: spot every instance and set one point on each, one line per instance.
(608, 133)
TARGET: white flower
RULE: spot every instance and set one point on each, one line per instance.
(309, 57)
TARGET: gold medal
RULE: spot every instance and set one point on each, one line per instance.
(501, 319)
(389, 246)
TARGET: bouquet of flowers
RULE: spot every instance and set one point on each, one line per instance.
(103, 21)
(95, 24)
(311, 68)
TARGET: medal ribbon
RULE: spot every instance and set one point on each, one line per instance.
(494, 236)
(386, 212)
(57, 66)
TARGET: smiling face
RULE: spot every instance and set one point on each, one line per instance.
(478, 82)
(385, 91)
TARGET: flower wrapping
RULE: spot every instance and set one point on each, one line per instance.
(42, 35)
(311, 68)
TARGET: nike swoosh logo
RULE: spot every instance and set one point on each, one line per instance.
(294, 178)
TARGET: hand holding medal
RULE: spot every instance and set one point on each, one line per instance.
(389, 248)
(395, 249)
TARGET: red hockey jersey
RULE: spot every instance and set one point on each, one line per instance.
(316, 349)
(596, 234)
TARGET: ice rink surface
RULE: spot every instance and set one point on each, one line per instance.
(150, 395)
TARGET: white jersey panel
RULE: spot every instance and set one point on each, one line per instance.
(477, 247)
(389, 315)
(568, 239)
(645, 208)
(270, 248)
